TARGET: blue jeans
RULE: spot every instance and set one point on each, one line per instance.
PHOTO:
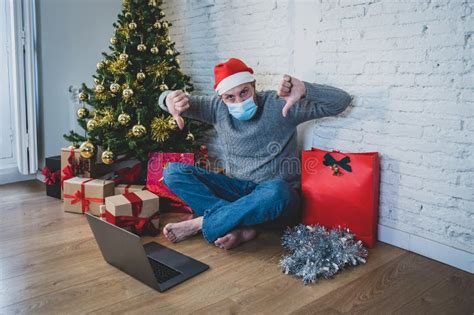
(228, 203)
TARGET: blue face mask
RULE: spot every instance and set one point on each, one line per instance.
(244, 110)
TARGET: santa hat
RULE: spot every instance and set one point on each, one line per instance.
(231, 73)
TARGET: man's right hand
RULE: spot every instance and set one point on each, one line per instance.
(177, 102)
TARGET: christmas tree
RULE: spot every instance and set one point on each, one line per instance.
(120, 113)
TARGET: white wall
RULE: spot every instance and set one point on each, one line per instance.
(72, 35)
(408, 65)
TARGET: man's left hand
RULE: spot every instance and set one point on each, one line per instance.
(291, 90)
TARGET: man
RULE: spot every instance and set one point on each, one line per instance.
(257, 131)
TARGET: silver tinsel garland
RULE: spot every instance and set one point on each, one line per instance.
(317, 252)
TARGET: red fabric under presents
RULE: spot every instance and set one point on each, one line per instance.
(157, 161)
(335, 196)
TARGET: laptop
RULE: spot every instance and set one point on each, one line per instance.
(155, 265)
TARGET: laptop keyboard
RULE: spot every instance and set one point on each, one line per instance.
(162, 272)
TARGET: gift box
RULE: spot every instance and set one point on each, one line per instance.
(86, 194)
(73, 164)
(136, 211)
(52, 176)
(78, 164)
(155, 221)
(126, 188)
(157, 162)
(341, 190)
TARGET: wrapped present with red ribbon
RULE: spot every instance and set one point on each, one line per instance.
(73, 164)
(157, 162)
(126, 188)
(136, 211)
(341, 189)
(52, 176)
(86, 194)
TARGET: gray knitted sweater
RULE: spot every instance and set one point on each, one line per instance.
(264, 147)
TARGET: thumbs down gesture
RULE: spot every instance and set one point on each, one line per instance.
(177, 102)
(291, 90)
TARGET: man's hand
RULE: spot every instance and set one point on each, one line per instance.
(291, 90)
(177, 102)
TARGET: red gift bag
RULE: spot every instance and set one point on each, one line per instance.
(341, 189)
(157, 161)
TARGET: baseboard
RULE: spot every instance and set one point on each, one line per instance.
(431, 249)
(11, 175)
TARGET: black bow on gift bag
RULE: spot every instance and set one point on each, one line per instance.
(335, 164)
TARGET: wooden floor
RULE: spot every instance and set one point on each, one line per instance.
(50, 263)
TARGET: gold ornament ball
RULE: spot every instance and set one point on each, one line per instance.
(154, 50)
(114, 87)
(99, 88)
(83, 96)
(190, 137)
(127, 93)
(100, 65)
(132, 26)
(141, 76)
(124, 119)
(157, 25)
(163, 87)
(92, 124)
(162, 14)
(139, 130)
(141, 47)
(123, 57)
(169, 51)
(128, 14)
(164, 24)
(82, 113)
(173, 124)
(113, 40)
(87, 149)
(108, 157)
(168, 38)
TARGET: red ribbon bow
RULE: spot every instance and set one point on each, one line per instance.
(68, 173)
(137, 224)
(50, 177)
(128, 175)
(203, 156)
(134, 221)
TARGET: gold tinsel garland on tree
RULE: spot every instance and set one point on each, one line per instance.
(161, 127)
(118, 67)
(103, 97)
(158, 70)
(106, 116)
(126, 4)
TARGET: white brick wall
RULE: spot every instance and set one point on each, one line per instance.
(409, 65)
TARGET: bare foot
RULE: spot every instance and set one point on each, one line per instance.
(177, 232)
(236, 237)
